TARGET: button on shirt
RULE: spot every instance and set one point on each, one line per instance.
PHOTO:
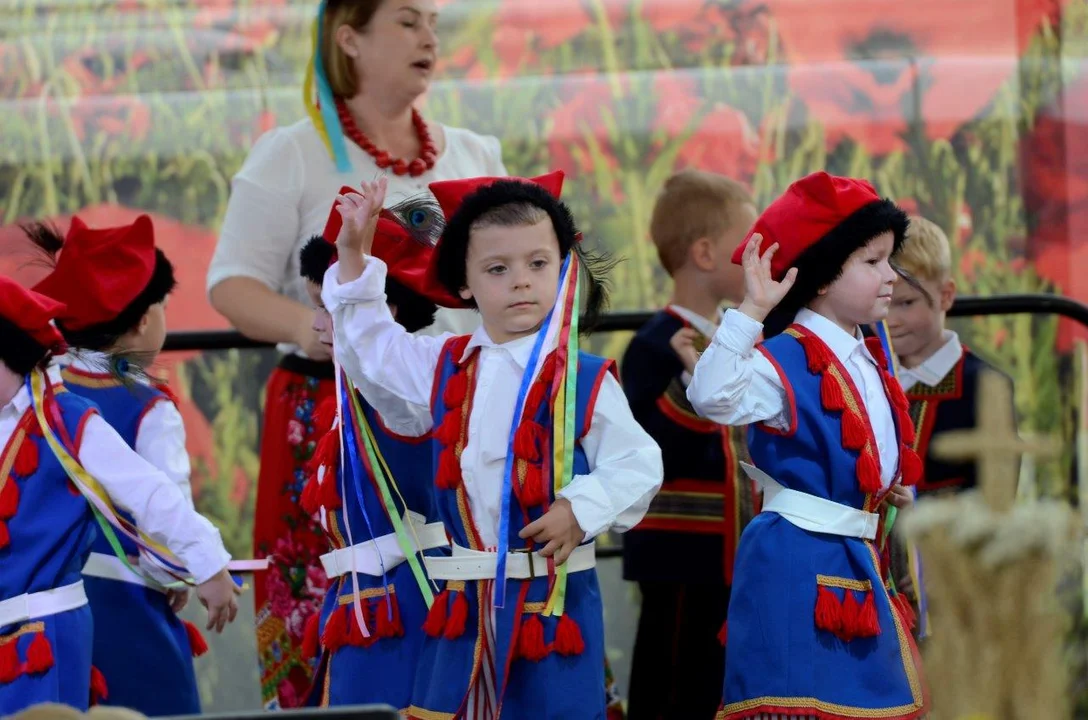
(735, 385)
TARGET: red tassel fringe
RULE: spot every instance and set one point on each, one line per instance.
(855, 433)
(868, 624)
(5, 536)
(329, 493)
(531, 639)
(197, 644)
(449, 470)
(876, 349)
(387, 618)
(26, 461)
(910, 465)
(906, 427)
(456, 390)
(906, 611)
(99, 689)
(531, 492)
(436, 616)
(354, 636)
(831, 393)
(310, 636)
(850, 612)
(449, 432)
(527, 441)
(568, 637)
(309, 500)
(327, 451)
(10, 667)
(336, 630)
(537, 393)
(455, 625)
(9, 499)
(828, 611)
(868, 473)
(324, 416)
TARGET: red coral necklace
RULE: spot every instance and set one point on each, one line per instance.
(427, 155)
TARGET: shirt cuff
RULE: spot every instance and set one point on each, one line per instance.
(738, 332)
(590, 505)
(368, 287)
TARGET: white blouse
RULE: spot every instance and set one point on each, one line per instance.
(283, 194)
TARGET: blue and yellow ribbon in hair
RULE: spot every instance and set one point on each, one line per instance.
(321, 105)
(913, 559)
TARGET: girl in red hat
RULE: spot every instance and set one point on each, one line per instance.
(534, 448)
(114, 283)
(61, 468)
(813, 630)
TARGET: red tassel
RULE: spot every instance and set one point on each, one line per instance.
(851, 610)
(5, 536)
(531, 492)
(10, 667)
(310, 638)
(905, 610)
(868, 473)
(828, 610)
(449, 470)
(455, 626)
(855, 432)
(896, 394)
(9, 499)
(456, 390)
(436, 616)
(26, 461)
(324, 416)
(355, 636)
(876, 349)
(329, 492)
(197, 644)
(547, 370)
(336, 630)
(868, 623)
(310, 498)
(568, 637)
(831, 393)
(906, 427)
(723, 634)
(449, 432)
(910, 466)
(537, 393)
(387, 617)
(815, 354)
(527, 441)
(99, 689)
(531, 639)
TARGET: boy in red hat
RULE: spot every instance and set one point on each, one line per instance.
(813, 632)
(114, 283)
(377, 516)
(535, 449)
(62, 468)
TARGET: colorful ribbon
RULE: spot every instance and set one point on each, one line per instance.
(322, 111)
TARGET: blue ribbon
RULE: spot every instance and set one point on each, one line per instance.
(508, 468)
(333, 129)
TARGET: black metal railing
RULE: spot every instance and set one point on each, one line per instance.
(1030, 304)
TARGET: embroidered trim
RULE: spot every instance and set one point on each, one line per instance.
(418, 713)
(368, 594)
(845, 583)
(27, 629)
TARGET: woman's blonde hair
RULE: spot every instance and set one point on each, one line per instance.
(339, 68)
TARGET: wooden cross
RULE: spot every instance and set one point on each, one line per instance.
(994, 444)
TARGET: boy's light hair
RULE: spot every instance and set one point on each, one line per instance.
(693, 204)
(926, 253)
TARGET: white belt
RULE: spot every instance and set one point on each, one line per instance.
(810, 512)
(110, 567)
(476, 565)
(371, 556)
(31, 606)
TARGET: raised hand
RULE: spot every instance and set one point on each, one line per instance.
(762, 292)
(359, 212)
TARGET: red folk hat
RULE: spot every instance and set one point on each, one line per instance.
(451, 193)
(31, 312)
(100, 272)
(806, 213)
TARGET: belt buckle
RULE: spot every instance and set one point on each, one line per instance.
(532, 569)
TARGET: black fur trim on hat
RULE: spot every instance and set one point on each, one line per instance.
(414, 312)
(822, 263)
(20, 352)
(315, 258)
(105, 335)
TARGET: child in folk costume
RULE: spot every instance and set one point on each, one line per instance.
(681, 554)
(536, 451)
(813, 633)
(62, 467)
(938, 373)
(114, 283)
(376, 506)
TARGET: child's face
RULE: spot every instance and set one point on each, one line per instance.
(322, 320)
(863, 293)
(513, 274)
(916, 322)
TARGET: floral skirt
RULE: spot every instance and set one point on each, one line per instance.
(294, 586)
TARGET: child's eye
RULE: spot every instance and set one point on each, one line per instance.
(537, 264)
(496, 269)
(873, 261)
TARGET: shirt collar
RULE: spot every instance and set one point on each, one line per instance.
(519, 349)
(696, 320)
(935, 367)
(21, 401)
(841, 343)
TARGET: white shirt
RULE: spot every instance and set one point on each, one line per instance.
(395, 372)
(283, 194)
(160, 437)
(158, 505)
(735, 385)
(935, 367)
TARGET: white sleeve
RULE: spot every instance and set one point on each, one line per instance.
(160, 440)
(626, 467)
(495, 166)
(393, 369)
(735, 385)
(160, 508)
(261, 226)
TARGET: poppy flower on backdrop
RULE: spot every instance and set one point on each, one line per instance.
(699, 24)
(1059, 252)
(585, 119)
(115, 116)
(1054, 155)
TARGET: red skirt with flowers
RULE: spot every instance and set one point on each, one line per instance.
(294, 585)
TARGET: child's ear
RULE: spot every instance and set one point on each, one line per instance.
(141, 327)
(465, 293)
(701, 253)
(948, 294)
